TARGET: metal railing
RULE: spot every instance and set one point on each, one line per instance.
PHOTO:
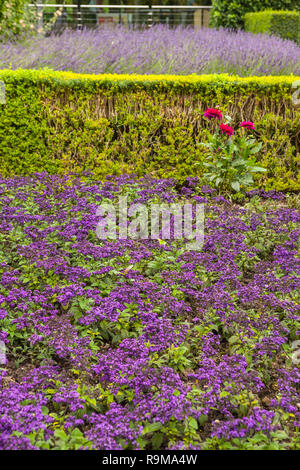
(78, 16)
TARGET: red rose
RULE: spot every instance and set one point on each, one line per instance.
(212, 113)
(226, 129)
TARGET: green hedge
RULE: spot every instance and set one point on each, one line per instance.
(11, 12)
(285, 24)
(111, 124)
(230, 14)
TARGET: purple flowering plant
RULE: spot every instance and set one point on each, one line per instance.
(132, 50)
(134, 344)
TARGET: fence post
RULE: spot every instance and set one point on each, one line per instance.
(40, 17)
(79, 18)
(150, 16)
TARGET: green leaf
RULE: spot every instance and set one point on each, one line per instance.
(247, 179)
(257, 168)
(193, 423)
(151, 427)
(256, 148)
(60, 434)
(233, 339)
(76, 433)
(235, 185)
(202, 419)
(157, 440)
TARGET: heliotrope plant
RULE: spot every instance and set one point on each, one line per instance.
(138, 344)
(231, 162)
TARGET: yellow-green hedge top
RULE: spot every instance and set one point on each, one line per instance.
(124, 81)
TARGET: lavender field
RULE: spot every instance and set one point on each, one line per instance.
(160, 50)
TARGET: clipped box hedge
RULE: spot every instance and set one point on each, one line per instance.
(230, 14)
(111, 124)
(285, 24)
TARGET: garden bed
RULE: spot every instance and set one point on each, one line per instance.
(140, 344)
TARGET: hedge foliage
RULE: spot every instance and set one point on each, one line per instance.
(12, 12)
(112, 124)
(230, 13)
(285, 24)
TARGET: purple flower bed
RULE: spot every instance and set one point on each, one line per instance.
(133, 344)
(159, 50)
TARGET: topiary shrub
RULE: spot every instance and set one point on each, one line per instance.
(230, 14)
(145, 124)
(285, 24)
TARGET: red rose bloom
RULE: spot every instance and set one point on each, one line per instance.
(212, 113)
(226, 129)
(248, 125)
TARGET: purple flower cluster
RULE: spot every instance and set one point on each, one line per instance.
(159, 50)
(134, 344)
